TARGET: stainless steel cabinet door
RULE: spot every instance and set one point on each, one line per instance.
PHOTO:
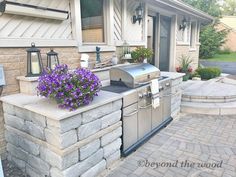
(130, 125)
(157, 116)
(144, 120)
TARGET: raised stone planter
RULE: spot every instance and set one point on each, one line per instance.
(43, 140)
(176, 91)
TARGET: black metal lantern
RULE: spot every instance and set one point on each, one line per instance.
(52, 59)
(138, 14)
(34, 61)
(183, 25)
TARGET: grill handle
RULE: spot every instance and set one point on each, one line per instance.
(144, 83)
(131, 114)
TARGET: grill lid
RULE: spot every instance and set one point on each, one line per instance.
(134, 75)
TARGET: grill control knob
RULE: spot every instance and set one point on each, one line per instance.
(140, 95)
(161, 88)
(167, 84)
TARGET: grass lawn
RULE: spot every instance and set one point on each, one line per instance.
(224, 57)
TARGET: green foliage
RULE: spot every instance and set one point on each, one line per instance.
(224, 57)
(229, 7)
(211, 40)
(208, 73)
(185, 64)
(140, 53)
(224, 51)
(209, 6)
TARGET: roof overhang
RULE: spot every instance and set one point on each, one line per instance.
(184, 9)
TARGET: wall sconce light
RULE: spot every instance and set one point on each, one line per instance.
(52, 59)
(138, 14)
(34, 61)
(183, 25)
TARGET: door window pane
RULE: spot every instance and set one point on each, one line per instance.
(92, 21)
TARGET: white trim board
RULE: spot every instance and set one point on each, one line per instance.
(1, 170)
(38, 42)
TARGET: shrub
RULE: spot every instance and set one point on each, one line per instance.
(71, 89)
(140, 53)
(208, 73)
(224, 51)
(185, 64)
(211, 40)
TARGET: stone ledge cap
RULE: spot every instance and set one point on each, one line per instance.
(172, 75)
(49, 108)
(27, 79)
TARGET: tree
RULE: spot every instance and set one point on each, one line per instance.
(229, 7)
(211, 39)
(209, 6)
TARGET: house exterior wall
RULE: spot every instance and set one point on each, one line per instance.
(183, 44)
(230, 41)
(228, 23)
(18, 30)
(185, 50)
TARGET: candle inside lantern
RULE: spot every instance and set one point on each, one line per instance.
(35, 64)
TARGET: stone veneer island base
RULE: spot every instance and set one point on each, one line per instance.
(43, 140)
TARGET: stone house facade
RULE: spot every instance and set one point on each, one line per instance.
(108, 28)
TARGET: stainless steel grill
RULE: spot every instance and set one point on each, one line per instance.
(140, 119)
(134, 75)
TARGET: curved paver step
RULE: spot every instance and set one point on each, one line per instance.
(209, 108)
(209, 99)
(219, 90)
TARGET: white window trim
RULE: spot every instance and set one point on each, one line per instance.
(194, 47)
(108, 45)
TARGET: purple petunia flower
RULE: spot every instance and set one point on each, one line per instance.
(70, 89)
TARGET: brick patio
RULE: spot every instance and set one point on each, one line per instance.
(202, 139)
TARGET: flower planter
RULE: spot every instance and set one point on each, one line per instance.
(186, 77)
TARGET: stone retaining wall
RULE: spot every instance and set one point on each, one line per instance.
(82, 145)
(176, 92)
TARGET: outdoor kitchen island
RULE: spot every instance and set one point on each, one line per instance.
(43, 140)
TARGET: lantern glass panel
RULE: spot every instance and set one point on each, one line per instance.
(54, 62)
(35, 65)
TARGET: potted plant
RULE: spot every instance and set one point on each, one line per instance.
(185, 67)
(70, 89)
(140, 54)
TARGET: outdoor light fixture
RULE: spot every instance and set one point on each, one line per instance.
(34, 61)
(126, 52)
(138, 14)
(52, 59)
(183, 25)
(17, 8)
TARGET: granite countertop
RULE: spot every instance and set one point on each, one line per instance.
(49, 108)
(172, 75)
(108, 68)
